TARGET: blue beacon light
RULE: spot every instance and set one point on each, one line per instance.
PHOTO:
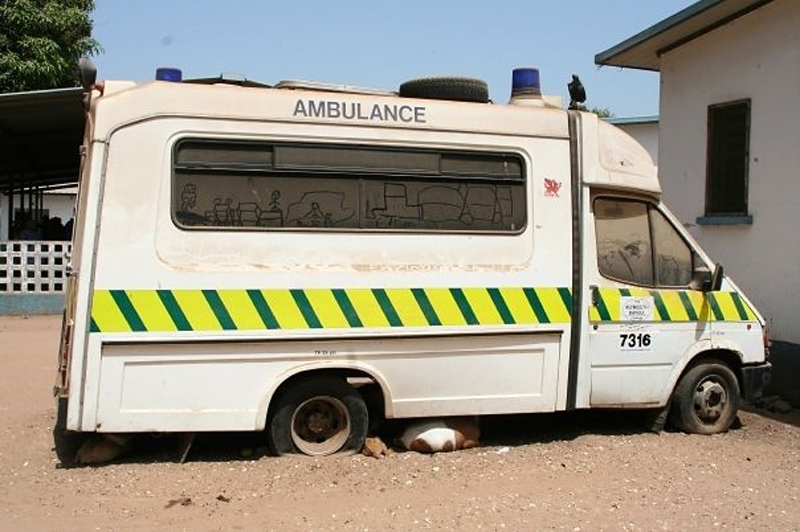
(169, 74)
(525, 82)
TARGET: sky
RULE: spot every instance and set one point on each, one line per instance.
(382, 44)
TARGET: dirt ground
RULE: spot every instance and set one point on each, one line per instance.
(575, 471)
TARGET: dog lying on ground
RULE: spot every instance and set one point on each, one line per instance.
(103, 448)
(441, 435)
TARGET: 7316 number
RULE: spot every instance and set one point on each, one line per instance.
(634, 340)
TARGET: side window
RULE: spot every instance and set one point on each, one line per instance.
(624, 250)
(273, 186)
(673, 257)
(638, 245)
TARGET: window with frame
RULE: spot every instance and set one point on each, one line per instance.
(274, 186)
(637, 244)
(728, 159)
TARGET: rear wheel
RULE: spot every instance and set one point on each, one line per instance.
(65, 442)
(317, 417)
(706, 399)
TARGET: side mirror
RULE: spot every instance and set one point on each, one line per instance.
(703, 278)
(716, 278)
(701, 275)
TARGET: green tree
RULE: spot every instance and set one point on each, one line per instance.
(602, 112)
(41, 42)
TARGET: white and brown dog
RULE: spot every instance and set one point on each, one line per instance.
(441, 435)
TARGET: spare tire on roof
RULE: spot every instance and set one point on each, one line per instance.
(448, 88)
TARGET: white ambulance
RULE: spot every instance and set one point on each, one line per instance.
(254, 258)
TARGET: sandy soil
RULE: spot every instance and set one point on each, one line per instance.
(575, 471)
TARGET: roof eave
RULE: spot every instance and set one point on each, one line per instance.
(11, 98)
(633, 120)
(644, 50)
(607, 57)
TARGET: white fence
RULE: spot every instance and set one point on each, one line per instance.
(33, 267)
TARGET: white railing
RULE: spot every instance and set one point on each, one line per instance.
(33, 266)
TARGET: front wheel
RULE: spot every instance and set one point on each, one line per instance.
(706, 399)
(317, 417)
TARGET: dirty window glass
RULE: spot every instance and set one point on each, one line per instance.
(231, 200)
(448, 205)
(624, 250)
(356, 159)
(249, 185)
(728, 158)
(201, 154)
(673, 256)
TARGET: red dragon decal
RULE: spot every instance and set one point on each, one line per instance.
(551, 187)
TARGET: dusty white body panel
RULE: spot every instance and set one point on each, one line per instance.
(145, 385)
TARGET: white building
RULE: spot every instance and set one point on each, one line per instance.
(729, 146)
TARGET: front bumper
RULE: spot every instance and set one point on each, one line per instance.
(754, 378)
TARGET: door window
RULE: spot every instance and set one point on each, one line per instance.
(623, 241)
(673, 258)
(637, 244)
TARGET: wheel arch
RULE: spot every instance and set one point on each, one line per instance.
(343, 371)
(727, 353)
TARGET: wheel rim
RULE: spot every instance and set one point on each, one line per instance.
(320, 426)
(710, 399)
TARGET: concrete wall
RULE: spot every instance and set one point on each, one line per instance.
(33, 276)
(756, 56)
(31, 304)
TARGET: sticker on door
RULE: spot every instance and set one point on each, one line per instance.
(636, 308)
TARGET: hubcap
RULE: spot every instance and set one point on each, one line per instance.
(320, 426)
(710, 400)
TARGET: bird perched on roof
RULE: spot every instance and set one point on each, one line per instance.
(577, 93)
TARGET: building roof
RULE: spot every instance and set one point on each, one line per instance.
(644, 50)
(40, 137)
(633, 120)
(41, 133)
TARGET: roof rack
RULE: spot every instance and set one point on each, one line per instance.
(331, 87)
(228, 79)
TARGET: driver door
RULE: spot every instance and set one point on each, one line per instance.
(644, 312)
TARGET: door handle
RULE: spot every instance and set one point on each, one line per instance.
(595, 294)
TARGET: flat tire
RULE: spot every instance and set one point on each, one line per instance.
(706, 399)
(318, 416)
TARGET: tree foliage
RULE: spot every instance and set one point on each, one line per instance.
(41, 42)
(602, 112)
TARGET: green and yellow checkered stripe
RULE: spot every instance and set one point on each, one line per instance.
(325, 308)
(675, 305)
